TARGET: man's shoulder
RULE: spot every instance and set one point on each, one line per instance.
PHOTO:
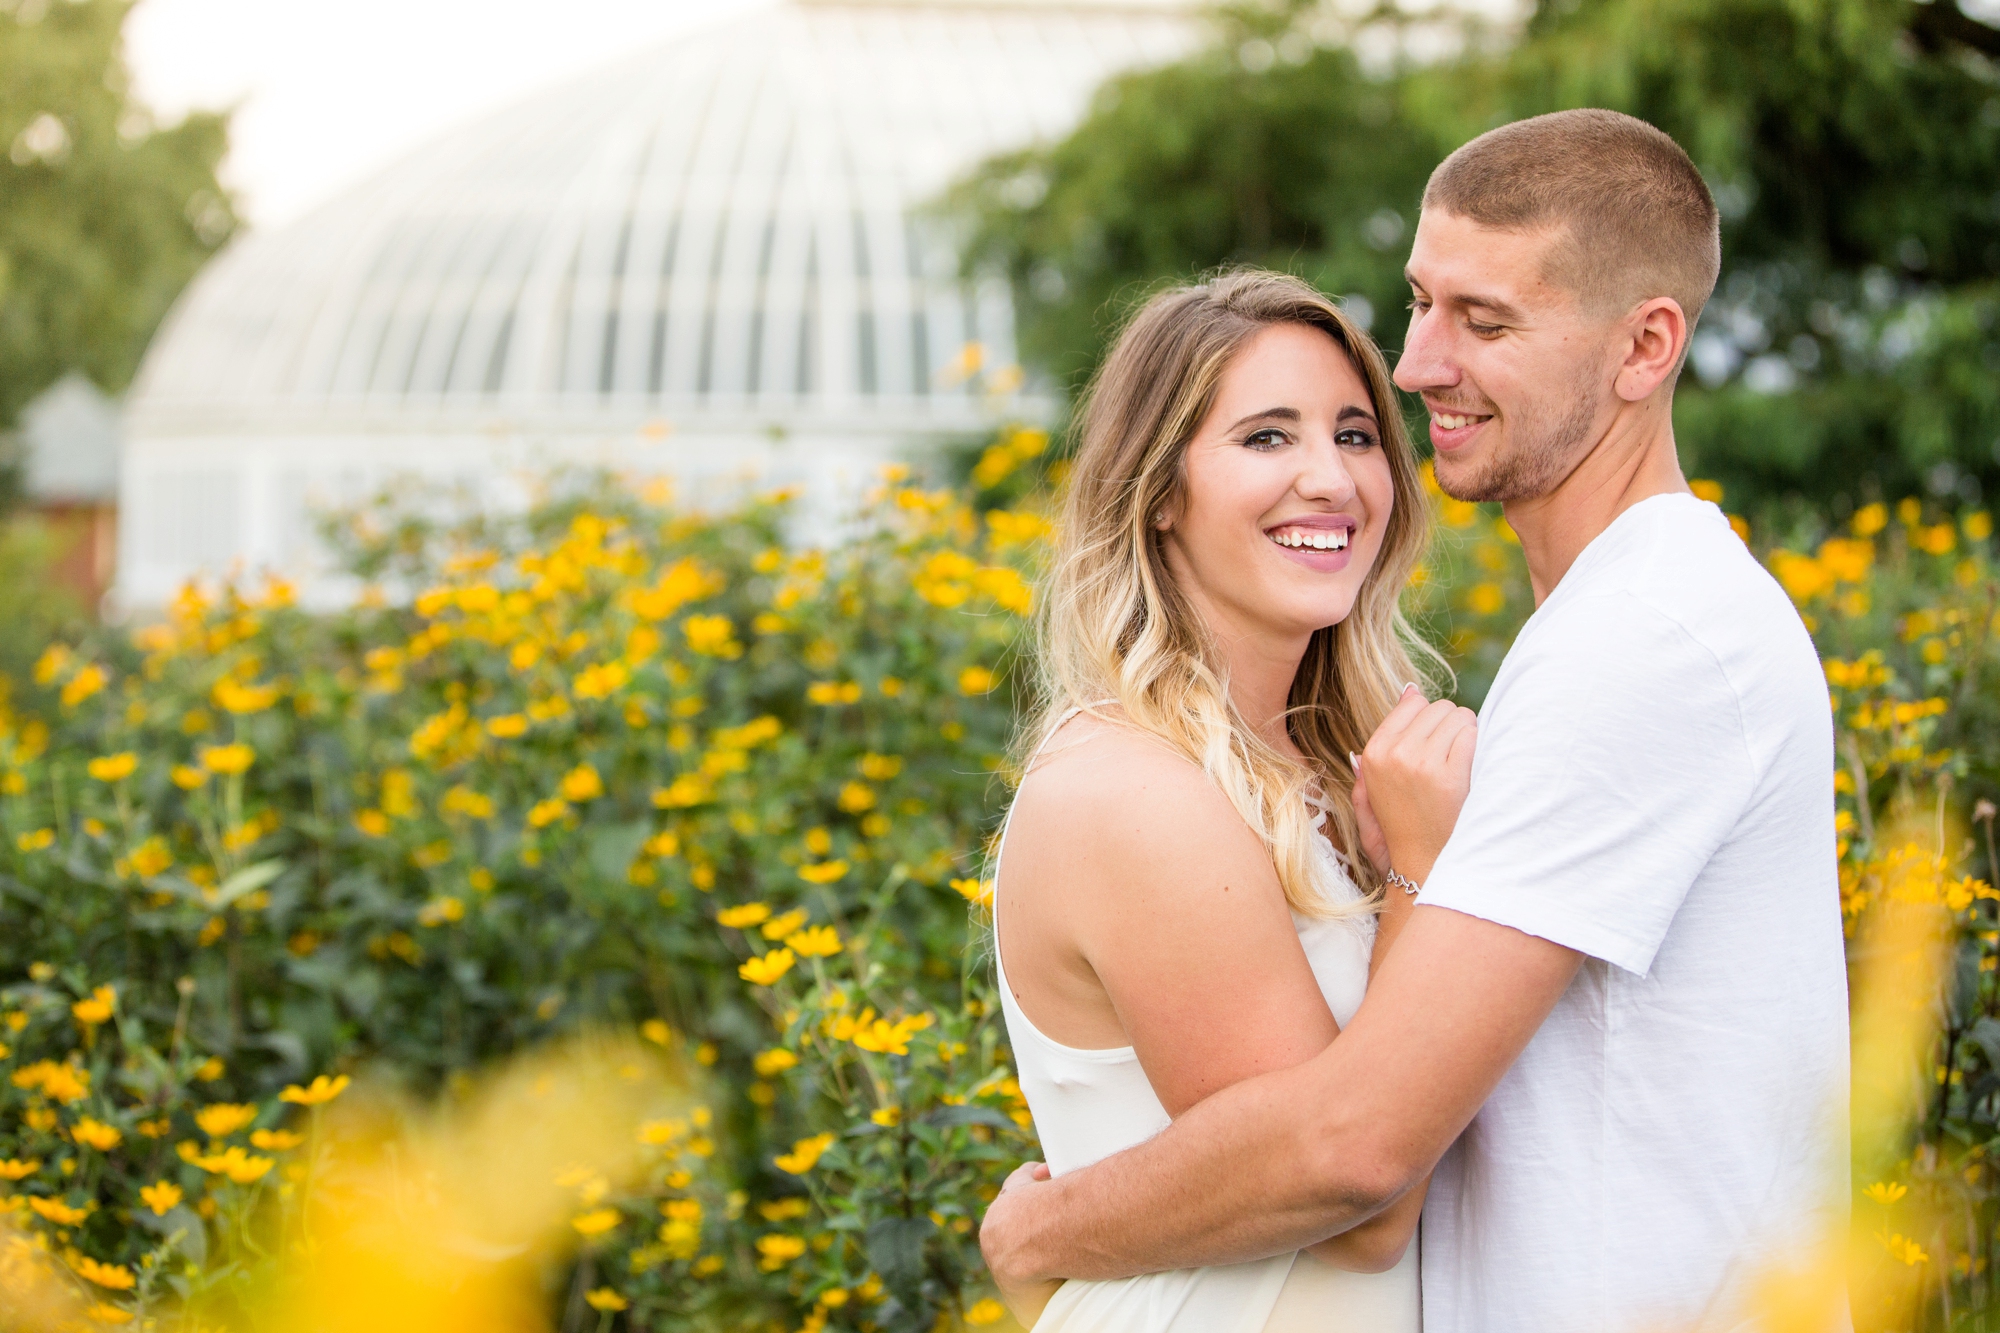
(1676, 558)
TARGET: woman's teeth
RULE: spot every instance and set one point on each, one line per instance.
(1316, 541)
(1452, 420)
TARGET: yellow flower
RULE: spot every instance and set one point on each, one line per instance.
(765, 969)
(604, 1298)
(438, 911)
(58, 1212)
(1886, 1193)
(774, 1061)
(712, 636)
(1710, 491)
(547, 812)
(886, 1038)
(985, 1311)
(151, 857)
(227, 758)
(372, 822)
(977, 891)
(1869, 520)
(462, 800)
(1485, 599)
(780, 926)
(776, 1250)
(1979, 525)
(275, 1140)
(113, 767)
(582, 784)
(856, 797)
(656, 1031)
(224, 1118)
(825, 873)
(65, 1083)
(597, 1222)
(1907, 1250)
(96, 1009)
(322, 1091)
(975, 680)
(235, 697)
(805, 1154)
(507, 726)
(888, 1117)
(210, 1070)
(187, 777)
(96, 1134)
(38, 840)
(783, 1210)
(161, 1197)
(108, 1314)
(828, 693)
(817, 942)
(83, 684)
(104, 1275)
(237, 1164)
(13, 1168)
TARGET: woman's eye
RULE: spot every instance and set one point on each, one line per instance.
(1354, 439)
(1264, 440)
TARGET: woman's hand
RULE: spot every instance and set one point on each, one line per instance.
(1418, 769)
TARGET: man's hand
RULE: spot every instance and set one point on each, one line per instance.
(1419, 769)
(1025, 1296)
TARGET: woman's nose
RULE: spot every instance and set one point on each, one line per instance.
(1325, 476)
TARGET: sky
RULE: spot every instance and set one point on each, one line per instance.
(326, 91)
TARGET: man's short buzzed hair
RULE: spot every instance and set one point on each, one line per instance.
(1640, 220)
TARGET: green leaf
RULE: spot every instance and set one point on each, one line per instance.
(247, 881)
(896, 1253)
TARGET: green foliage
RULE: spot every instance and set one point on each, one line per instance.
(103, 216)
(1854, 146)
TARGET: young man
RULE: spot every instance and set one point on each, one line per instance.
(1620, 1003)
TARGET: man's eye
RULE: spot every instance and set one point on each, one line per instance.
(1264, 440)
(1485, 330)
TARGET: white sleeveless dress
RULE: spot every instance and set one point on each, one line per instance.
(1089, 1104)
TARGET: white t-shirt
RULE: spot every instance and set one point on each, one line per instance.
(1653, 788)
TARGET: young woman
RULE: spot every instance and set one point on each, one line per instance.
(1184, 895)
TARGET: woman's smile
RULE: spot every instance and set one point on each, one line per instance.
(1319, 542)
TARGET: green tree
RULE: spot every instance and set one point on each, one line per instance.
(103, 215)
(1854, 146)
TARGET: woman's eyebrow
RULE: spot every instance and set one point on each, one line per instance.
(1351, 412)
(1270, 414)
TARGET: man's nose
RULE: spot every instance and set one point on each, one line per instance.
(1426, 362)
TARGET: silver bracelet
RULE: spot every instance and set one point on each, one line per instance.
(1403, 882)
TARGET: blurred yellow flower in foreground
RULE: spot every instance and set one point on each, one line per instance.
(187, 777)
(805, 1154)
(985, 1311)
(58, 1212)
(227, 758)
(13, 1168)
(604, 1298)
(479, 1216)
(975, 680)
(113, 767)
(824, 873)
(321, 1091)
(96, 1009)
(765, 969)
(161, 1197)
(96, 1134)
(224, 1118)
(774, 1061)
(977, 891)
(597, 1222)
(743, 916)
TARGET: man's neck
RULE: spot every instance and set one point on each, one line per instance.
(1633, 460)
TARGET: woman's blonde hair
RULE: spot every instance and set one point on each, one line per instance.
(1114, 627)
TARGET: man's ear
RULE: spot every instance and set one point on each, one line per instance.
(1658, 330)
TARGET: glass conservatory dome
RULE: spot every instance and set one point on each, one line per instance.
(710, 262)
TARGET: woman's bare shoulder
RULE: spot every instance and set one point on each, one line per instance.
(1126, 791)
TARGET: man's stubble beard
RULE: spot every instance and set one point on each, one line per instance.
(1543, 453)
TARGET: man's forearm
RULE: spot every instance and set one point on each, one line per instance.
(1240, 1176)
